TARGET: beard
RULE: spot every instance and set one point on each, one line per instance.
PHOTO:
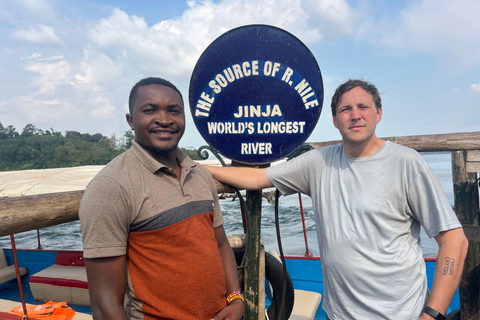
(161, 151)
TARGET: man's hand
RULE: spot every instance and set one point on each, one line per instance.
(234, 311)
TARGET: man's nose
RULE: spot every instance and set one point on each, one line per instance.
(355, 114)
(163, 118)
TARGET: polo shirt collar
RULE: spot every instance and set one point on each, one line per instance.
(153, 165)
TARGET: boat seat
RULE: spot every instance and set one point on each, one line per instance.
(306, 303)
(66, 280)
(7, 272)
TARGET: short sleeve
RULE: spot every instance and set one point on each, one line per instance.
(104, 218)
(429, 203)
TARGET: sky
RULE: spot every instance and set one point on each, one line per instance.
(70, 65)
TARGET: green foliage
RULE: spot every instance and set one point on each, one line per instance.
(38, 149)
(34, 148)
(192, 153)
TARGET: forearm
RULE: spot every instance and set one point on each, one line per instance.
(102, 312)
(448, 271)
(107, 285)
(230, 269)
(241, 177)
(236, 308)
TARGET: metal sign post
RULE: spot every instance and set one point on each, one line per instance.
(255, 95)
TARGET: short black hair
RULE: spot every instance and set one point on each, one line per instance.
(145, 82)
(352, 84)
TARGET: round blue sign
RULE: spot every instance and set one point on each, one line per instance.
(256, 94)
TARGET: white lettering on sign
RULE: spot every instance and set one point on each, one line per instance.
(280, 127)
(258, 111)
(255, 68)
(286, 76)
(270, 69)
(204, 103)
(256, 148)
(233, 73)
(290, 127)
(231, 127)
(306, 92)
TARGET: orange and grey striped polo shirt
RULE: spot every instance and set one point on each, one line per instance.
(136, 206)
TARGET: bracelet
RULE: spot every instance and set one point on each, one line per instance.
(234, 296)
(434, 313)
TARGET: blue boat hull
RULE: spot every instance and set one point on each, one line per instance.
(306, 274)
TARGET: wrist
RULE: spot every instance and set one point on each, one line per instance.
(434, 313)
(235, 295)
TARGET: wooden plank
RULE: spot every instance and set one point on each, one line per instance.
(237, 241)
(473, 161)
(473, 167)
(19, 214)
(428, 143)
(473, 155)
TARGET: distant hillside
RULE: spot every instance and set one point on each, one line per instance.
(34, 148)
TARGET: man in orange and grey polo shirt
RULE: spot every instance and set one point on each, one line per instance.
(152, 225)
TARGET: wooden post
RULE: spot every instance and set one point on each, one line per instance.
(254, 210)
(465, 191)
(261, 285)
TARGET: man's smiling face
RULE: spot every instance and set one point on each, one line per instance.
(158, 119)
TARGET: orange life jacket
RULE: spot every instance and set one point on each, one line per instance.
(50, 310)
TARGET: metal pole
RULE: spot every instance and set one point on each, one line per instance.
(19, 279)
(254, 211)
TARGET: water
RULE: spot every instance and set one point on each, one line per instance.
(68, 236)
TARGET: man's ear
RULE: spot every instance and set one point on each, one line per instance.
(129, 120)
(334, 118)
(379, 114)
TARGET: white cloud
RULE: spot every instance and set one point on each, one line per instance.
(172, 47)
(40, 33)
(475, 87)
(97, 67)
(448, 29)
(33, 56)
(30, 109)
(51, 75)
(37, 8)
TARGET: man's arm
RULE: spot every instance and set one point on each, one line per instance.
(241, 177)
(107, 283)
(451, 255)
(235, 310)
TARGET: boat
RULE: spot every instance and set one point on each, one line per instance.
(304, 271)
(61, 207)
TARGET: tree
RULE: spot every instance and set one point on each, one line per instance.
(36, 149)
(30, 130)
(128, 136)
(8, 132)
(192, 153)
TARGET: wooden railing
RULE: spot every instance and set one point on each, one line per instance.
(19, 214)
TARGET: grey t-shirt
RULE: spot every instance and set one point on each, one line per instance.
(368, 213)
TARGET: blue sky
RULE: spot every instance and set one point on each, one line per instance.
(69, 65)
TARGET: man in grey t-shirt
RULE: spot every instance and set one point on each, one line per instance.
(371, 199)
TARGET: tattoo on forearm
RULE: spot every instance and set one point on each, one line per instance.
(448, 267)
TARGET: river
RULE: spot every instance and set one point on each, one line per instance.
(68, 236)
